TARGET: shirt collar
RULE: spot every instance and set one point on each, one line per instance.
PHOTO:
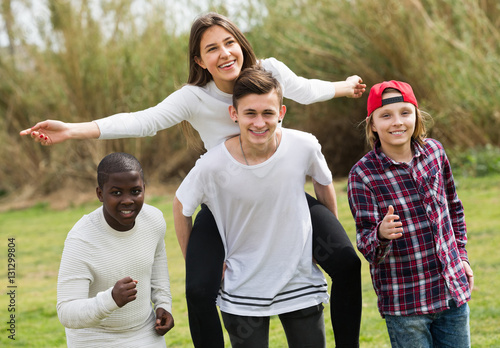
(386, 162)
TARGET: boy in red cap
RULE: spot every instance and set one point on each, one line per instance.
(410, 225)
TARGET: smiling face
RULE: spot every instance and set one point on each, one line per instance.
(258, 116)
(122, 197)
(221, 55)
(394, 123)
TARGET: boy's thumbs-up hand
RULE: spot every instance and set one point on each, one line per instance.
(389, 228)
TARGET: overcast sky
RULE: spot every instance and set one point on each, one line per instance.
(30, 12)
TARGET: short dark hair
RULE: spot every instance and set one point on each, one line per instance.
(117, 162)
(255, 80)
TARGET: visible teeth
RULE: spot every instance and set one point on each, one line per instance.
(126, 211)
(227, 64)
(398, 133)
(262, 132)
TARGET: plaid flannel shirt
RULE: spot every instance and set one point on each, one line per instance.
(421, 271)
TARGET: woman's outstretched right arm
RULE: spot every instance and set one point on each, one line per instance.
(177, 107)
(52, 132)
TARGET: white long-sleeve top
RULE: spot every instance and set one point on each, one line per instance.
(95, 257)
(206, 108)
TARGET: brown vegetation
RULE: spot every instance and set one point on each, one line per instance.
(448, 51)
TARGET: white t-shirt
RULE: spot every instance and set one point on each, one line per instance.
(95, 257)
(265, 225)
(206, 108)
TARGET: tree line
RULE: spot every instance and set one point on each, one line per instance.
(95, 59)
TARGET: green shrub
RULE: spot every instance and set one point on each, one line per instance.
(476, 162)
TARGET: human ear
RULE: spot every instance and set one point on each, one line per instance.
(98, 192)
(233, 113)
(372, 125)
(200, 62)
(282, 113)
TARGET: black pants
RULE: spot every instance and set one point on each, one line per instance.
(304, 328)
(332, 249)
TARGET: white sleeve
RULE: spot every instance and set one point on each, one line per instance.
(177, 107)
(318, 168)
(74, 308)
(191, 191)
(297, 88)
(160, 281)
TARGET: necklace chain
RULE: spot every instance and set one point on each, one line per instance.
(241, 147)
(243, 152)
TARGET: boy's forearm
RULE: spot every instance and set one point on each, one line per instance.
(161, 295)
(76, 311)
(183, 231)
(326, 196)
(183, 226)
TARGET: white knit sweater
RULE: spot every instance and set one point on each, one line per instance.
(95, 257)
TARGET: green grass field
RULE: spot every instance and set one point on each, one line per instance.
(39, 234)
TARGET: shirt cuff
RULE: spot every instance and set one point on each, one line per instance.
(106, 300)
(166, 306)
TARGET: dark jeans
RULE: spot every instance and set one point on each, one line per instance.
(304, 328)
(332, 249)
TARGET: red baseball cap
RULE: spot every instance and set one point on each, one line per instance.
(375, 97)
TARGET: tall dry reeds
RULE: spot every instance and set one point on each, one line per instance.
(447, 50)
(93, 65)
(83, 72)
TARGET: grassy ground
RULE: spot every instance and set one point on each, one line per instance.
(40, 232)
